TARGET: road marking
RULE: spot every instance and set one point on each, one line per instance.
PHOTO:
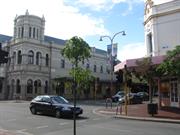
(40, 127)
(10, 120)
(64, 123)
(23, 131)
(81, 121)
(96, 119)
(113, 129)
(95, 112)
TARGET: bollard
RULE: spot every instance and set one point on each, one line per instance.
(108, 100)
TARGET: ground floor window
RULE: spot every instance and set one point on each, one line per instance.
(30, 86)
(18, 87)
(1, 86)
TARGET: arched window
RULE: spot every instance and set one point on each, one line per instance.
(19, 57)
(31, 57)
(14, 57)
(38, 58)
(62, 63)
(29, 86)
(46, 87)
(47, 60)
(35, 86)
(22, 32)
(18, 86)
(101, 69)
(30, 29)
(95, 68)
(19, 31)
(34, 32)
(37, 33)
(1, 86)
(12, 85)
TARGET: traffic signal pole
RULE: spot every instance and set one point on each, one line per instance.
(3, 57)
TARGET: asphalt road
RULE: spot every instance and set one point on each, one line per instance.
(17, 119)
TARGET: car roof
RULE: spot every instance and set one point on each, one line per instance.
(48, 96)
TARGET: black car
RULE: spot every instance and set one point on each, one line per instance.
(53, 105)
(117, 96)
(132, 98)
(144, 95)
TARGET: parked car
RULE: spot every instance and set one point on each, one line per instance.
(53, 105)
(119, 94)
(144, 95)
(132, 98)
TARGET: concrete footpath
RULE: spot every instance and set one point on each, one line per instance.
(140, 112)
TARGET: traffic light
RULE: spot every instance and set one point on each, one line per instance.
(3, 56)
(119, 76)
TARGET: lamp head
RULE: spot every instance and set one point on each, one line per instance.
(124, 34)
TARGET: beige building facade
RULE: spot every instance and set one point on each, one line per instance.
(35, 61)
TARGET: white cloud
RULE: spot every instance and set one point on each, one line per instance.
(106, 5)
(62, 21)
(131, 51)
(96, 5)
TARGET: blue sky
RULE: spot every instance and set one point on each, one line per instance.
(88, 19)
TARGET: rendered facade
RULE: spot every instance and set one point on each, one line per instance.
(35, 61)
(162, 27)
(162, 33)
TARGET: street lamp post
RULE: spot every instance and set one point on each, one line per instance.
(111, 57)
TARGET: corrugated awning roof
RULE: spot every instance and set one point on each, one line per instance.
(131, 63)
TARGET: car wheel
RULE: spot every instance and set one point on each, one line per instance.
(58, 114)
(33, 110)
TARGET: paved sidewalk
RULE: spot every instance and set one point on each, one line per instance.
(139, 112)
(5, 132)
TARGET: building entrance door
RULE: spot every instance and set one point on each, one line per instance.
(174, 94)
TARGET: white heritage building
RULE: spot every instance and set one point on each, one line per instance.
(162, 33)
(162, 26)
(35, 61)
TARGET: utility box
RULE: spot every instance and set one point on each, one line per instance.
(153, 108)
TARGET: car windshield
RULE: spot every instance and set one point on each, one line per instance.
(59, 100)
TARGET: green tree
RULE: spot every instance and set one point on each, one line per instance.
(146, 71)
(76, 50)
(83, 78)
(171, 64)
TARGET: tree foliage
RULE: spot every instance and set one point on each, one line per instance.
(76, 50)
(145, 69)
(83, 76)
(171, 65)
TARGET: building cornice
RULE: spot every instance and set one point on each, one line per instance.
(160, 14)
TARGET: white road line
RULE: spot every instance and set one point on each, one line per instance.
(40, 127)
(3, 130)
(96, 119)
(64, 123)
(10, 120)
(94, 111)
(81, 121)
(23, 131)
